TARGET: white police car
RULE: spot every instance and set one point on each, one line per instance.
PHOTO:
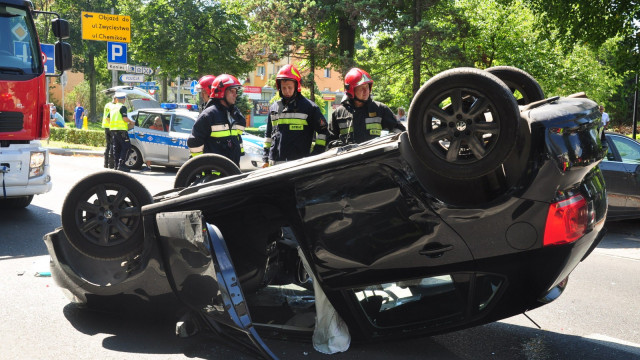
(160, 136)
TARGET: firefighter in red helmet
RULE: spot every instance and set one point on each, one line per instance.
(219, 127)
(204, 89)
(359, 118)
(292, 122)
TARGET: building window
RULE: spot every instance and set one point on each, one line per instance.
(260, 71)
(327, 73)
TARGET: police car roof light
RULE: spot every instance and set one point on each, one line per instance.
(169, 106)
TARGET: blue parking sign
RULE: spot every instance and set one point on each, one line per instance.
(116, 52)
(48, 56)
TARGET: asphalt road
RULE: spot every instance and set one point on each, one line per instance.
(596, 318)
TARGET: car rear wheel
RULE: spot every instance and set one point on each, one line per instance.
(101, 215)
(463, 123)
(204, 168)
(134, 161)
(522, 85)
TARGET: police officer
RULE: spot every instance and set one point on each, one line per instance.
(359, 118)
(219, 127)
(204, 89)
(292, 122)
(119, 124)
(108, 151)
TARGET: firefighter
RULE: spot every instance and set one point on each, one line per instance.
(119, 125)
(292, 122)
(219, 127)
(204, 89)
(359, 118)
(108, 151)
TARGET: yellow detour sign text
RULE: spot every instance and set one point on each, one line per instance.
(106, 27)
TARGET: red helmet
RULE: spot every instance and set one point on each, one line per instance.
(221, 84)
(288, 72)
(356, 77)
(204, 84)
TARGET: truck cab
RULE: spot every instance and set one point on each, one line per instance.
(24, 111)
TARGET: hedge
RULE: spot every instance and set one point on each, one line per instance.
(77, 136)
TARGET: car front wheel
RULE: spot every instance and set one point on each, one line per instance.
(204, 168)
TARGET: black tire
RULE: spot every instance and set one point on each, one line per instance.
(463, 123)
(16, 202)
(204, 168)
(522, 85)
(101, 215)
(134, 161)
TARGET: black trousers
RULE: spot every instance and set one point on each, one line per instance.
(121, 146)
(108, 151)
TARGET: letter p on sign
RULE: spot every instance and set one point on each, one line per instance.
(117, 52)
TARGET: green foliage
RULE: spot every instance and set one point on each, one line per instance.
(82, 93)
(77, 136)
(244, 104)
(187, 37)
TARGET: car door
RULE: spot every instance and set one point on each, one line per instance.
(621, 170)
(153, 144)
(179, 132)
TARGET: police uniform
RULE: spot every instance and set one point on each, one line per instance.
(108, 151)
(120, 133)
(353, 124)
(218, 130)
(290, 128)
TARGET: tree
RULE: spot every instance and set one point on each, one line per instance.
(187, 37)
(282, 28)
(608, 27)
(86, 52)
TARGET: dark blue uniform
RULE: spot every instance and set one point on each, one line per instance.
(218, 130)
(290, 129)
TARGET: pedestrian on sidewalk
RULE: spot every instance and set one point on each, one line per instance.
(78, 115)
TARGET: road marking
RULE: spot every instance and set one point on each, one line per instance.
(617, 344)
(626, 253)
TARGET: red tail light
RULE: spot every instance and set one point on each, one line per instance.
(567, 221)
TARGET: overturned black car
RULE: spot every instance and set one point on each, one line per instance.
(478, 212)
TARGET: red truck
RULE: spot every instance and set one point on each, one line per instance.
(24, 111)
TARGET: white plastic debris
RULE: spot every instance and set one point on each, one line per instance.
(331, 334)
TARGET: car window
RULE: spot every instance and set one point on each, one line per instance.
(138, 102)
(628, 149)
(150, 122)
(182, 124)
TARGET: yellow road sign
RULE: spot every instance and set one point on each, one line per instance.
(106, 27)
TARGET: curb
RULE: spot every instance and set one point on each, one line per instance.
(75, 152)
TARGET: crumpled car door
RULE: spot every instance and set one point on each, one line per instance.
(202, 275)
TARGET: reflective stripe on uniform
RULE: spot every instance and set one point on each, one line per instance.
(267, 143)
(372, 120)
(321, 139)
(197, 149)
(301, 116)
(219, 127)
(345, 128)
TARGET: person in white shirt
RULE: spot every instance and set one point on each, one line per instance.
(605, 117)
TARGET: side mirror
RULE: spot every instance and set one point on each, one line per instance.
(60, 28)
(63, 56)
